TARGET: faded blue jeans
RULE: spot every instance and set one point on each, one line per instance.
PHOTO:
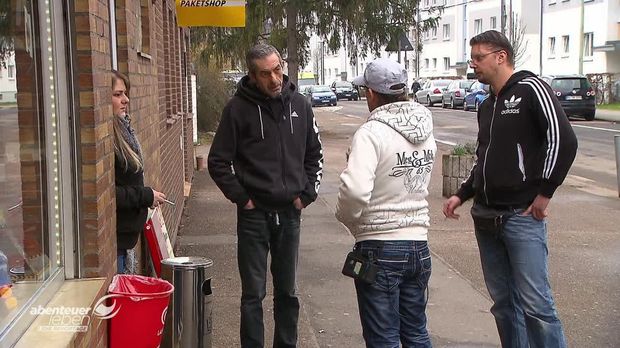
(393, 309)
(260, 232)
(514, 263)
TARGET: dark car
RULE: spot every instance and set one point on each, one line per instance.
(319, 95)
(454, 95)
(478, 92)
(575, 94)
(344, 90)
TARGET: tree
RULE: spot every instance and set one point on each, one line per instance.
(362, 25)
(516, 36)
(6, 35)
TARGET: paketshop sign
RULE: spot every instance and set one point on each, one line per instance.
(211, 13)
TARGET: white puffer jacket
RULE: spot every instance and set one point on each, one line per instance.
(384, 187)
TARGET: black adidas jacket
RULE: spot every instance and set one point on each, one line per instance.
(267, 149)
(525, 145)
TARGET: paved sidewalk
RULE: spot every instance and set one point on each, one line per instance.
(458, 313)
(607, 115)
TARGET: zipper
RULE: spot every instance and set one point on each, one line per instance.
(486, 153)
(282, 157)
(521, 164)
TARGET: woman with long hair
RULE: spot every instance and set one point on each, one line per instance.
(132, 198)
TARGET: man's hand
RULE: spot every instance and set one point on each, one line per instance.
(298, 204)
(249, 205)
(538, 208)
(158, 198)
(450, 205)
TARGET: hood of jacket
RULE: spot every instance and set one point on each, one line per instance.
(514, 79)
(248, 90)
(411, 120)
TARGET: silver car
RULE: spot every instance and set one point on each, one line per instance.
(455, 93)
(431, 92)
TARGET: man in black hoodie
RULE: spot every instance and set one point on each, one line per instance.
(525, 148)
(267, 158)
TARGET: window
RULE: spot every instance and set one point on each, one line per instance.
(493, 22)
(551, 46)
(446, 63)
(426, 63)
(407, 64)
(426, 3)
(329, 73)
(588, 41)
(551, 2)
(142, 22)
(434, 33)
(566, 44)
(336, 73)
(446, 31)
(426, 35)
(434, 63)
(477, 26)
(32, 204)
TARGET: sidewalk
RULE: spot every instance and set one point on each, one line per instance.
(458, 314)
(607, 115)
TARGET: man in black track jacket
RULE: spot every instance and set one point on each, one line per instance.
(266, 157)
(525, 148)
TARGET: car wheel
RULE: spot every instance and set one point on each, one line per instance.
(452, 106)
(428, 100)
(589, 116)
(356, 98)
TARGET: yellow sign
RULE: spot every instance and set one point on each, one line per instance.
(211, 13)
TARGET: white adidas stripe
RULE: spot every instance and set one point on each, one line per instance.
(553, 139)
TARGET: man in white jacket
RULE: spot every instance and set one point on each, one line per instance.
(382, 201)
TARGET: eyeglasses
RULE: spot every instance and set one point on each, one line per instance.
(479, 57)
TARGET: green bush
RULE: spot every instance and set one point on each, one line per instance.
(464, 149)
(213, 91)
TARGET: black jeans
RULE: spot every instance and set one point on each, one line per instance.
(258, 233)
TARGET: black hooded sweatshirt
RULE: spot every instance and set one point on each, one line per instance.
(526, 145)
(267, 149)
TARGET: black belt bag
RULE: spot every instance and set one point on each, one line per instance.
(492, 218)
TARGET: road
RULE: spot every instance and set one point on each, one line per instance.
(594, 169)
(583, 226)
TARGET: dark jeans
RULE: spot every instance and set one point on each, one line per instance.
(393, 309)
(258, 233)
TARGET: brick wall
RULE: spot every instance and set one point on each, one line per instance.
(158, 100)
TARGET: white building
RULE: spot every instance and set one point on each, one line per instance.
(8, 86)
(601, 44)
(446, 48)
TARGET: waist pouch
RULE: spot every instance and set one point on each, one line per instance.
(491, 218)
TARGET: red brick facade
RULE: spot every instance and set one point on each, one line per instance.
(151, 50)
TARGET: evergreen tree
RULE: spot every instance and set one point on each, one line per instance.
(360, 25)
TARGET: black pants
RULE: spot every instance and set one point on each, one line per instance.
(258, 233)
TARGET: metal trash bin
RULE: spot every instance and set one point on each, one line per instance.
(189, 321)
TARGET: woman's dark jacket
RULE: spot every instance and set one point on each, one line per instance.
(132, 202)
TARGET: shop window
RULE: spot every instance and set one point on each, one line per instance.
(143, 27)
(31, 187)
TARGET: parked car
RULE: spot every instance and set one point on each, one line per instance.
(478, 92)
(575, 94)
(319, 95)
(344, 90)
(431, 92)
(455, 93)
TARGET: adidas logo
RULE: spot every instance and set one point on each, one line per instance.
(294, 114)
(512, 103)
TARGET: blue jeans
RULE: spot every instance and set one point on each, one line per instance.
(392, 310)
(121, 256)
(514, 263)
(260, 232)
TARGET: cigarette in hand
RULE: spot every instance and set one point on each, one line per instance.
(169, 202)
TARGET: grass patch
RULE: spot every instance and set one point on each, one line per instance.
(612, 106)
(205, 137)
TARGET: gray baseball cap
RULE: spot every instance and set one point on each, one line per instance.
(384, 76)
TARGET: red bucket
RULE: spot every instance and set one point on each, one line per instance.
(137, 307)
